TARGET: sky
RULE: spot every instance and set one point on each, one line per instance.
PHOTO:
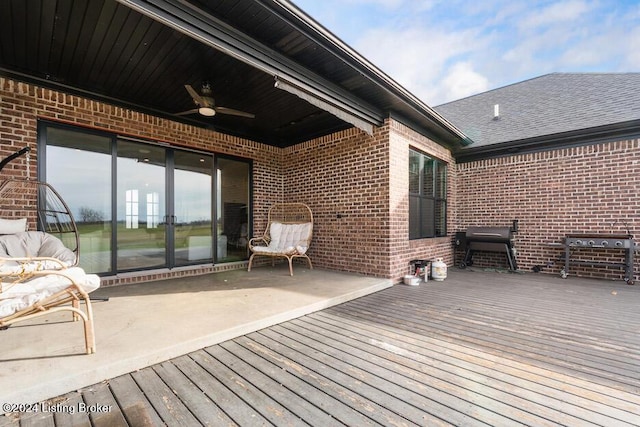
(444, 50)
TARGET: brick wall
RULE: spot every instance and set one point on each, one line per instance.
(356, 184)
(344, 180)
(401, 249)
(22, 105)
(587, 189)
(357, 187)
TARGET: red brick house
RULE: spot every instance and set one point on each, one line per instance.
(561, 154)
(98, 91)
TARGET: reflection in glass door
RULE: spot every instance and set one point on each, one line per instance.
(141, 220)
(143, 206)
(191, 219)
(232, 207)
(78, 166)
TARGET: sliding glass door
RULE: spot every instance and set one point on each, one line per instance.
(141, 201)
(144, 206)
(79, 167)
(164, 209)
(232, 210)
(191, 220)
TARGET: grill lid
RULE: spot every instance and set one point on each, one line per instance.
(489, 234)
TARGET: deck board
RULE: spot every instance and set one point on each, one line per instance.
(423, 399)
(40, 419)
(414, 369)
(76, 419)
(477, 349)
(355, 380)
(601, 362)
(169, 406)
(316, 406)
(255, 403)
(607, 358)
(9, 421)
(132, 402)
(233, 410)
(100, 395)
(249, 367)
(482, 381)
(199, 404)
(341, 386)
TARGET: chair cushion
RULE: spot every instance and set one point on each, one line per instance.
(286, 237)
(272, 250)
(33, 244)
(11, 226)
(23, 295)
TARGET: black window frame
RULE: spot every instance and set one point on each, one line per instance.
(427, 196)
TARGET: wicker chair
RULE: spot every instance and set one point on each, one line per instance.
(288, 234)
(38, 269)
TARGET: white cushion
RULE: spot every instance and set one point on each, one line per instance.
(270, 250)
(33, 244)
(12, 226)
(22, 295)
(288, 236)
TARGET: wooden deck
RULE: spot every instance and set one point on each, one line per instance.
(477, 349)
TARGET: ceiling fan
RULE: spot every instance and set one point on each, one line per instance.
(206, 104)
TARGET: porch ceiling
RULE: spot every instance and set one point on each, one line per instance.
(140, 54)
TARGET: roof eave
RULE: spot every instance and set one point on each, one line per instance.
(589, 136)
(321, 35)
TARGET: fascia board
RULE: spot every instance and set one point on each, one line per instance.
(576, 138)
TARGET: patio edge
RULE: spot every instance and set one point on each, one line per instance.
(79, 380)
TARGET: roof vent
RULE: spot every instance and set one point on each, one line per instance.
(496, 111)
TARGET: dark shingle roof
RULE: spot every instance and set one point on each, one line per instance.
(546, 105)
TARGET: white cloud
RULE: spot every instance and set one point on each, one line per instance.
(560, 12)
(461, 81)
(417, 58)
(396, 4)
(573, 37)
(631, 60)
(441, 50)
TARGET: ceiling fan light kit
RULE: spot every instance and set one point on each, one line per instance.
(206, 105)
(207, 111)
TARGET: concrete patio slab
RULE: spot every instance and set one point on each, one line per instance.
(147, 323)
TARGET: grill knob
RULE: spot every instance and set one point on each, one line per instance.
(618, 243)
(591, 243)
(578, 242)
(605, 243)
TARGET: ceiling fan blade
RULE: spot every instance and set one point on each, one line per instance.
(185, 113)
(195, 95)
(232, 112)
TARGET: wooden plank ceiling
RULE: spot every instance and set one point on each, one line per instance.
(107, 50)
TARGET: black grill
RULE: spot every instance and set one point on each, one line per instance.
(622, 242)
(488, 239)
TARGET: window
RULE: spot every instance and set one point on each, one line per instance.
(131, 205)
(153, 209)
(427, 196)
